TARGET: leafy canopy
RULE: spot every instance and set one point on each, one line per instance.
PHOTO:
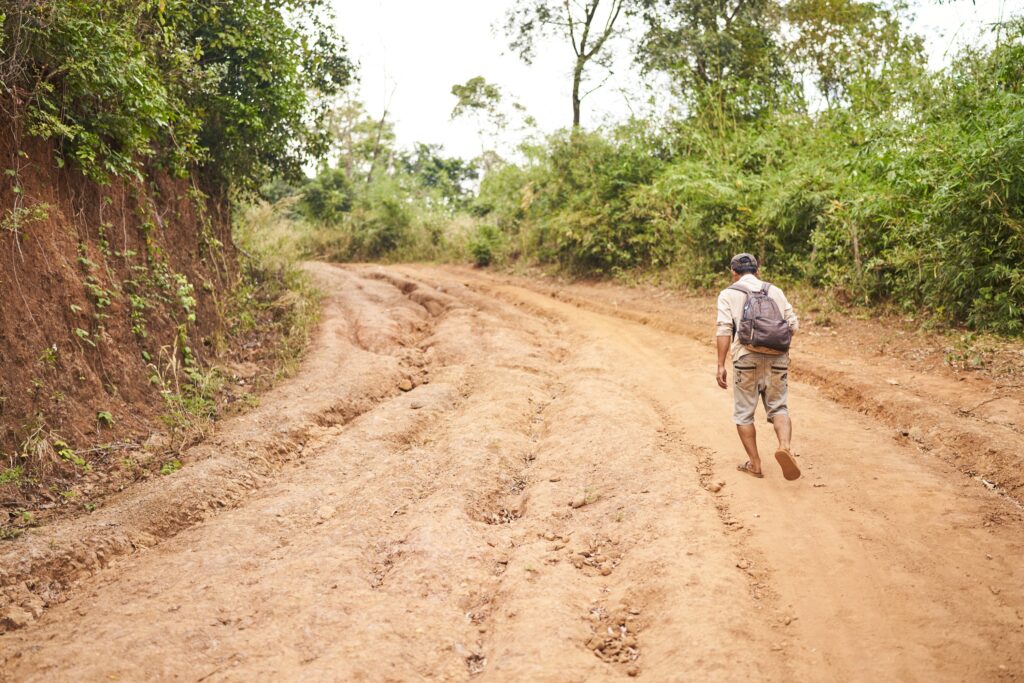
(238, 86)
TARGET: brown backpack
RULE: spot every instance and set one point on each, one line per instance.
(762, 327)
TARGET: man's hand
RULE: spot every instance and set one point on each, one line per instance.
(722, 377)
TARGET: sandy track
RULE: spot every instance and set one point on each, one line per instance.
(429, 535)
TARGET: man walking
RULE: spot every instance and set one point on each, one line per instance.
(756, 322)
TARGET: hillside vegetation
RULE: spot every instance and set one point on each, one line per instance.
(811, 133)
(131, 131)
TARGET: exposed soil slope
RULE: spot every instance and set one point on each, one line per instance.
(472, 478)
(103, 288)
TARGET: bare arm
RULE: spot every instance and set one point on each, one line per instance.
(723, 337)
(723, 344)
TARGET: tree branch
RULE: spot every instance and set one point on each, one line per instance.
(735, 10)
(609, 27)
(572, 28)
(588, 19)
(598, 86)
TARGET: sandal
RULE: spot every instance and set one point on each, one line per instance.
(748, 469)
(789, 469)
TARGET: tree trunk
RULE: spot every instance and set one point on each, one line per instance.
(577, 78)
(376, 146)
(349, 156)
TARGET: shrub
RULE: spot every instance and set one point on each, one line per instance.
(327, 196)
(483, 245)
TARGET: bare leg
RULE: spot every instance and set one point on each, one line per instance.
(748, 435)
(784, 430)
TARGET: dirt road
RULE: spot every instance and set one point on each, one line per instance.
(494, 482)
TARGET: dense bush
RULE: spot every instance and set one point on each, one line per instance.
(576, 201)
(328, 196)
(917, 199)
(230, 84)
(960, 246)
(380, 203)
(89, 75)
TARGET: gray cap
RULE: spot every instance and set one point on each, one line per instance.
(744, 262)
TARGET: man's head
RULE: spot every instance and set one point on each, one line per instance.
(743, 264)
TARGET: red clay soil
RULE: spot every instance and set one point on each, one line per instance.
(484, 477)
(71, 253)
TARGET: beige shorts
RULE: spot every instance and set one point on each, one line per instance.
(759, 374)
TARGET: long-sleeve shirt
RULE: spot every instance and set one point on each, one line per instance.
(730, 310)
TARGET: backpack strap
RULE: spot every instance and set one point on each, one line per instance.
(765, 286)
(746, 292)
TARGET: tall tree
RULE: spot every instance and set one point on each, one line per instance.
(482, 101)
(743, 57)
(723, 56)
(854, 50)
(446, 176)
(358, 142)
(477, 96)
(588, 25)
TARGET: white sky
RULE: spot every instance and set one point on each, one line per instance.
(412, 51)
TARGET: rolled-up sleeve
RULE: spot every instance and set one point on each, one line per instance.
(723, 325)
